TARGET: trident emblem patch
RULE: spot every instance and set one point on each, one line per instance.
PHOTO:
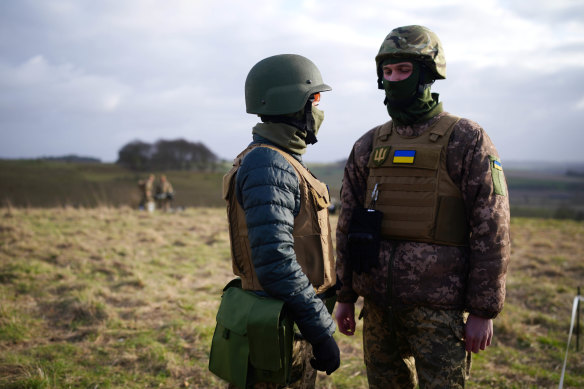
(380, 154)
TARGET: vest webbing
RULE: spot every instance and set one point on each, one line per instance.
(418, 199)
(312, 232)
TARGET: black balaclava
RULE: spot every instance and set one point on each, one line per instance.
(410, 101)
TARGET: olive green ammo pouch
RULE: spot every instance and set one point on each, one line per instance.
(252, 340)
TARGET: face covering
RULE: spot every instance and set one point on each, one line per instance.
(284, 135)
(317, 119)
(410, 101)
(292, 131)
(402, 93)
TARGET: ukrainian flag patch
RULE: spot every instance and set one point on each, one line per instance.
(499, 183)
(404, 156)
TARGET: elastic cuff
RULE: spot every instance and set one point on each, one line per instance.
(483, 314)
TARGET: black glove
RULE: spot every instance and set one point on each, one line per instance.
(327, 356)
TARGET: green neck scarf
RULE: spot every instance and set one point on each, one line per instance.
(405, 104)
(420, 110)
(286, 130)
(283, 135)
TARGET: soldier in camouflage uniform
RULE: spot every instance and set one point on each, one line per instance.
(423, 232)
(147, 200)
(164, 193)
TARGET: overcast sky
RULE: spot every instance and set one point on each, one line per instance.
(87, 77)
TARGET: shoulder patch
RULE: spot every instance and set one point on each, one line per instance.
(379, 155)
(498, 176)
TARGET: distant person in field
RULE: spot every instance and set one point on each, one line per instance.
(423, 231)
(164, 193)
(147, 199)
(278, 211)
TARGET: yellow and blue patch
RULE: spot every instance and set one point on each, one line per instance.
(404, 156)
(499, 183)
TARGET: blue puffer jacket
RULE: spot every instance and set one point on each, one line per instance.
(268, 190)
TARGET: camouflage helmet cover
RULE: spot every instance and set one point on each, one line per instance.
(416, 43)
(282, 84)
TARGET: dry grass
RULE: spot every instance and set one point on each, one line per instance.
(113, 297)
(128, 294)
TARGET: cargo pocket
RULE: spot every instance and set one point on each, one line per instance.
(457, 325)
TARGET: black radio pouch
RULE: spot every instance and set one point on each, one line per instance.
(364, 238)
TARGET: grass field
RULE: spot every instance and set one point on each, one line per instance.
(34, 183)
(115, 298)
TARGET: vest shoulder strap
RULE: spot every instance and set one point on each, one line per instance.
(443, 126)
(228, 178)
(293, 161)
(239, 158)
(298, 167)
(384, 131)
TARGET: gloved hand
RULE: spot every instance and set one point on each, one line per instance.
(327, 356)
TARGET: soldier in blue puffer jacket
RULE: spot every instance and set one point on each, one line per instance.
(278, 211)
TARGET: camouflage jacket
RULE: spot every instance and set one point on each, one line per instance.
(420, 274)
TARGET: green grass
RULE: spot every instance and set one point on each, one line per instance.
(34, 183)
(113, 297)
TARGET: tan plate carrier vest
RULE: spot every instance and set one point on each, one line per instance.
(418, 199)
(312, 232)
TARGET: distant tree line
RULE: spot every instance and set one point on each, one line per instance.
(574, 173)
(71, 158)
(176, 154)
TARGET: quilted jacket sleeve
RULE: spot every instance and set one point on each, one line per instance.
(268, 191)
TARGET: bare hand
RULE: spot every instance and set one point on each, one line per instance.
(345, 315)
(478, 333)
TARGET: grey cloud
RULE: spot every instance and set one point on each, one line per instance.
(558, 11)
(111, 72)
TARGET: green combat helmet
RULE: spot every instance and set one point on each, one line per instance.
(282, 84)
(414, 43)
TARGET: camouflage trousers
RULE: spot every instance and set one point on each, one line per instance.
(414, 346)
(303, 375)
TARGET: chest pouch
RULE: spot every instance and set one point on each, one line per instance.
(363, 239)
(253, 338)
